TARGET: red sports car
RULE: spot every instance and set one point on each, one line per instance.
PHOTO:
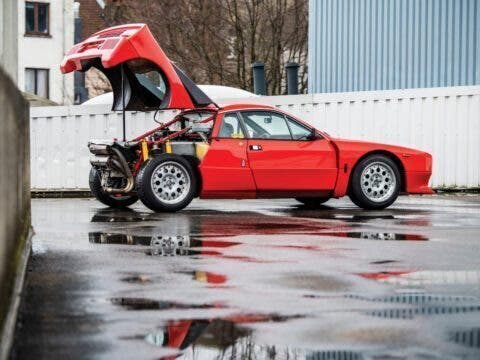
(237, 151)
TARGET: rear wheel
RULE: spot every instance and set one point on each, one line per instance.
(112, 200)
(375, 182)
(166, 183)
(313, 202)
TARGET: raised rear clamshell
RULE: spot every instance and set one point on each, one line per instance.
(151, 80)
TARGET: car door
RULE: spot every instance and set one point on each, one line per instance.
(225, 171)
(284, 156)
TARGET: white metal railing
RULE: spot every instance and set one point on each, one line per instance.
(442, 121)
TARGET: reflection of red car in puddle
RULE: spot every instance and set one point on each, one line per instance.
(236, 151)
(221, 333)
(426, 277)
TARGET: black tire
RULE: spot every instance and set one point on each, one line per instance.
(360, 198)
(105, 198)
(145, 189)
(313, 202)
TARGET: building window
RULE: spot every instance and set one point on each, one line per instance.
(36, 82)
(37, 18)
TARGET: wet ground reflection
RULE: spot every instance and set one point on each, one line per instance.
(368, 235)
(202, 236)
(162, 245)
(252, 280)
(468, 337)
(423, 311)
(218, 338)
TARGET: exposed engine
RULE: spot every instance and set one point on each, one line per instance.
(118, 162)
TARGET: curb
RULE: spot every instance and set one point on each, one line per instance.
(85, 193)
(8, 333)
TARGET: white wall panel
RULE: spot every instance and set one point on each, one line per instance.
(442, 121)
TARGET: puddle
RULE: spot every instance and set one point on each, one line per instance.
(165, 245)
(209, 277)
(467, 337)
(162, 245)
(426, 277)
(205, 335)
(410, 313)
(232, 338)
(216, 225)
(335, 355)
(368, 235)
(413, 298)
(150, 304)
(361, 218)
(259, 225)
(228, 338)
(382, 262)
(281, 227)
(332, 214)
(314, 282)
(137, 279)
(430, 304)
(123, 215)
(382, 275)
(118, 239)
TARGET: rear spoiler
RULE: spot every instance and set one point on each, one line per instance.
(114, 51)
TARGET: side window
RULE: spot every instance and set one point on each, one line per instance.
(299, 132)
(231, 127)
(266, 125)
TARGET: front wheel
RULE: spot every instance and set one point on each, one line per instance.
(313, 202)
(112, 200)
(375, 182)
(166, 183)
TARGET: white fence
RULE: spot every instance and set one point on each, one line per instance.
(442, 121)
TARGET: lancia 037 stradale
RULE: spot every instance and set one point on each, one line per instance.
(236, 150)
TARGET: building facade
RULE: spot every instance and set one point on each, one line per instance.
(8, 38)
(45, 35)
(396, 44)
(91, 18)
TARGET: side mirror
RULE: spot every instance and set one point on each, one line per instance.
(313, 134)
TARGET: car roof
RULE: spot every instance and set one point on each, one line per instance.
(232, 106)
(214, 92)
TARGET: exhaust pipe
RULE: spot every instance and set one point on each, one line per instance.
(125, 169)
(100, 161)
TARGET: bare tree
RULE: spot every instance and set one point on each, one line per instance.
(216, 41)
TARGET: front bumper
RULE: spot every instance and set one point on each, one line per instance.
(417, 182)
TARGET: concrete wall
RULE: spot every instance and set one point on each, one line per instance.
(442, 121)
(9, 37)
(48, 52)
(14, 187)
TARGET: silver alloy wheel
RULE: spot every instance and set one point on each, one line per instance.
(170, 182)
(378, 181)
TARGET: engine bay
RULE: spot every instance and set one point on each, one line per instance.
(187, 134)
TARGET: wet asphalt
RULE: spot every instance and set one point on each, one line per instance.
(253, 279)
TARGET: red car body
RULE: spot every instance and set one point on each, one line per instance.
(243, 167)
(290, 168)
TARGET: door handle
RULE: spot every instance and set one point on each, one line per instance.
(255, 147)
